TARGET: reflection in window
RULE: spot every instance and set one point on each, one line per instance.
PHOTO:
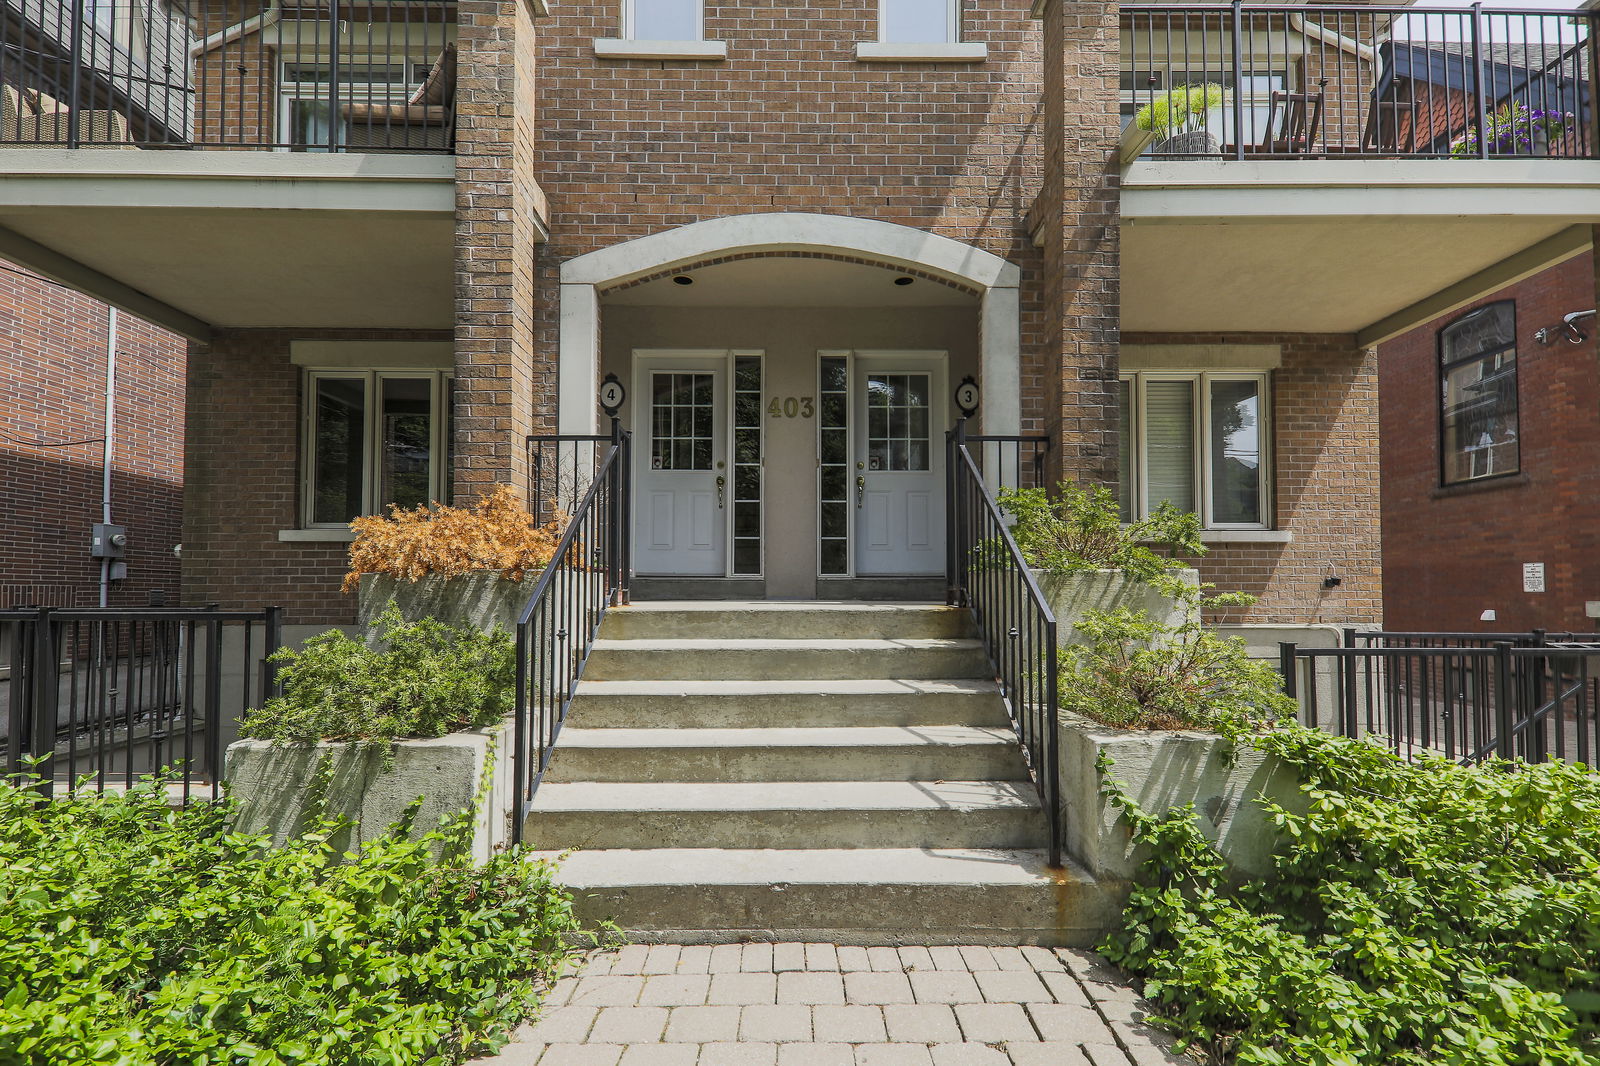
(1235, 452)
(897, 422)
(339, 443)
(682, 421)
(407, 441)
(1197, 441)
(833, 456)
(747, 465)
(1478, 377)
(919, 22)
(374, 439)
(663, 20)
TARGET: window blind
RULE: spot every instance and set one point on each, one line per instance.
(1169, 443)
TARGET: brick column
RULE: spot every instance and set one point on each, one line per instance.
(494, 245)
(1081, 210)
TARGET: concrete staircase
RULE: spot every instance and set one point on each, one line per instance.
(802, 771)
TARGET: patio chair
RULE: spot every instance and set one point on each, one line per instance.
(30, 119)
(1391, 127)
(426, 120)
(1293, 123)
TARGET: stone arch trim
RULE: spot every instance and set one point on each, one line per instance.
(584, 278)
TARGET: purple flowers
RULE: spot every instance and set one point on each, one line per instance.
(1515, 129)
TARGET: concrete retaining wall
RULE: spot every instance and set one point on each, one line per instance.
(1072, 596)
(479, 601)
(273, 781)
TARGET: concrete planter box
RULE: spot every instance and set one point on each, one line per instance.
(1071, 596)
(271, 782)
(478, 601)
(1163, 769)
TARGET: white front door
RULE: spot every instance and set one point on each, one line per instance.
(682, 485)
(899, 463)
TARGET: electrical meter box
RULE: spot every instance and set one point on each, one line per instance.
(108, 541)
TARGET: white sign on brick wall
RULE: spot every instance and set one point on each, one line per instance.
(1532, 577)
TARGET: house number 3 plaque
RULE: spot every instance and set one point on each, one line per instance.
(791, 407)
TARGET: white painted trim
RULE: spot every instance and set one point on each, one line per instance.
(784, 231)
(999, 362)
(878, 52)
(627, 48)
(578, 375)
(371, 355)
(317, 536)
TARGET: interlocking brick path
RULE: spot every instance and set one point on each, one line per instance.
(828, 1005)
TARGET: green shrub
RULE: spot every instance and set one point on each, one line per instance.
(1179, 110)
(1420, 913)
(422, 679)
(1139, 673)
(134, 934)
(1081, 529)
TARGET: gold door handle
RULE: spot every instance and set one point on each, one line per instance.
(721, 482)
(861, 490)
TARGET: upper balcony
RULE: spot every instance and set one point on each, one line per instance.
(1348, 167)
(234, 163)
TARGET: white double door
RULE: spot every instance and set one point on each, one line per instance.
(898, 408)
(682, 482)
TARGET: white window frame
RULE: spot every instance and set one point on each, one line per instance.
(1200, 382)
(629, 19)
(439, 474)
(952, 27)
(317, 92)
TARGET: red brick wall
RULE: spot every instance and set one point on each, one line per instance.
(243, 482)
(1325, 485)
(52, 389)
(1452, 553)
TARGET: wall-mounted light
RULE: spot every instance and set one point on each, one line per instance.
(1567, 331)
(1332, 582)
(903, 280)
(683, 279)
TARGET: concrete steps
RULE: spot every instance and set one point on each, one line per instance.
(808, 771)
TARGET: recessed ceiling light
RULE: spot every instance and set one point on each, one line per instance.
(683, 279)
(904, 280)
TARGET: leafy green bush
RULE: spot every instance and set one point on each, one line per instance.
(423, 679)
(1081, 529)
(138, 935)
(1179, 110)
(1140, 673)
(1420, 913)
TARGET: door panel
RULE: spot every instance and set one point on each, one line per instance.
(681, 445)
(899, 461)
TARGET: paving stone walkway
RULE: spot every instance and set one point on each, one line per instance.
(826, 1005)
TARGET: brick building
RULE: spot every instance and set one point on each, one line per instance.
(789, 231)
(52, 447)
(1490, 444)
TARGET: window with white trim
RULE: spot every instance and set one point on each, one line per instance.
(919, 21)
(307, 112)
(663, 20)
(375, 438)
(1200, 441)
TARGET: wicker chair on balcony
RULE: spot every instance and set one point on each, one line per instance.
(32, 119)
(425, 121)
(1391, 127)
(1293, 123)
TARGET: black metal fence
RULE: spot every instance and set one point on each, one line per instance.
(296, 75)
(1465, 696)
(108, 696)
(987, 574)
(588, 573)
(1257, 80)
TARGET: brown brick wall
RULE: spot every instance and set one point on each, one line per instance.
(1452, 553)
(1325, 463)
(52, 389)
(243, 480)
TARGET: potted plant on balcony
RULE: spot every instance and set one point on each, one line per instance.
(1515, 129)
(1177, 120)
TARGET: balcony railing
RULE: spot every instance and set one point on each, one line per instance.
(1238, 81)
(289, 75)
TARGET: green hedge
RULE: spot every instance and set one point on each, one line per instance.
(134, 934)
(1421, 912)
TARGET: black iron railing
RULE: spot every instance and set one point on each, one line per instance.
(1245, 80)
(296, 75)
(1466, 696)
(988, 575)
(109, 696)
(587, 574)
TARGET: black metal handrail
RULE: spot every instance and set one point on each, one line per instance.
(988, 575)
(1279, 80)
(1466, 696)
(588, 573)
(114, 695)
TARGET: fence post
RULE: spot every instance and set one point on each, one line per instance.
(953, 525)
(1479, 102)
(75, 76)
(1052, 747)
(625, 479)
(1237, 71)
(274, 641)
(41, 740)
(1504, 741)
(1592, 133)
(335, 122)
(614, 517)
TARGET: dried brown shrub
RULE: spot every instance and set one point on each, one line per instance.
(497, 534)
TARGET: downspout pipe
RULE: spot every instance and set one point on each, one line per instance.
(254, 24)
(1324, 35)
(110, 446)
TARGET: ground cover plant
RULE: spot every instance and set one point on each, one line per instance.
(1420, 912)
(414, 680)
(139, 935)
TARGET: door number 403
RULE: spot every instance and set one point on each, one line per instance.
(791, 407)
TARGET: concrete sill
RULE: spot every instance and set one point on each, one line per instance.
(875, 52)
(317, 536)
(1488, 484)
(622, 48)
(1246, 536)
